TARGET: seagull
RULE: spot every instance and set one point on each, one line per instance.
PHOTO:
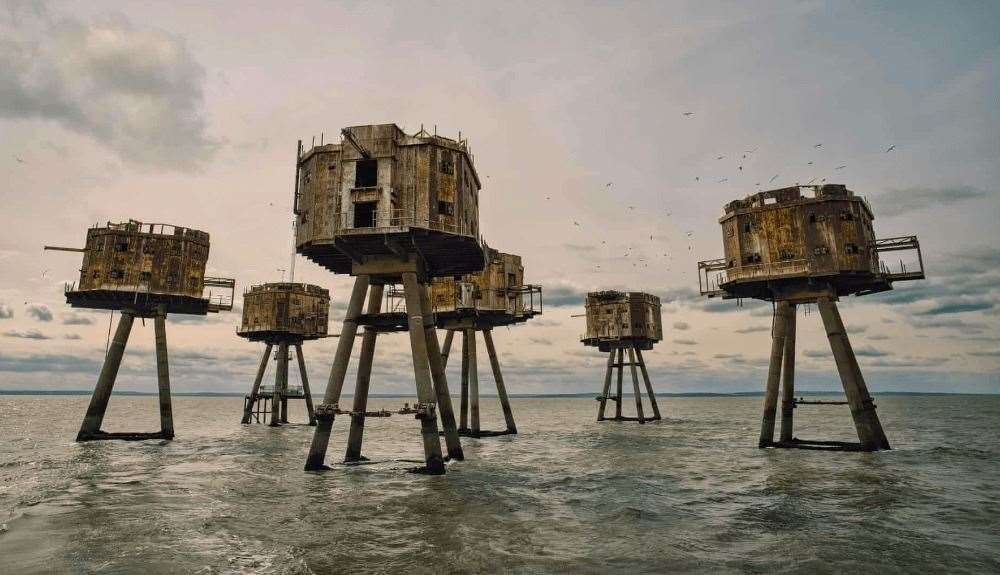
(723, 180)
(840, 167)
(818, 146)
(688, 114)
(890, 148)
(775, 177)
(548, 197)
(689, 234)
(751, 151)
(720, 157)
(576, 223)
(741, 168)
(697, 178)
(631, 207)
(809, 163)
(608, 185)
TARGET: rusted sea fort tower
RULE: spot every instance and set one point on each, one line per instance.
(618, 322)
(790, 248)
(282, 314)
(479, 302)
(388, 207)
(143, 270)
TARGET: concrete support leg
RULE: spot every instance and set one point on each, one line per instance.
(649, 385)
(473, 383)
(635, 386)
(105, 383)
(325, 412)
(436, 360)
(463, 408)
(248, 410)
(508, 415)
(279, 413)
(869, 428)
(774, 374)
(446, 347)
(621, 371)
(306, 393)
(607, 386)
(356, 435)
(421, 369)
(788, 377)
(163, 375)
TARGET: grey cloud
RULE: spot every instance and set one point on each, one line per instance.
(40, 312)
(540, 341)
(581, 249)
(685, 342)
(682, 325)
(860, 351)
(992, 353)
(878, 337)
(137, 91)
(563, 295)
(59, 363)
(949, 323)
(76, 319)
(951, 306)
(27, 334)
(72, 336)
(5, 311)
(753, 329)
(902, 201)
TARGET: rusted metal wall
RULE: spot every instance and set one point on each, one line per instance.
(423, 181)
(299, 309)
(615, 316)
(780, 234)
(495, 289)
(137, 257)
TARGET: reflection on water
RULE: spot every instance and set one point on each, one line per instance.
(690, 493)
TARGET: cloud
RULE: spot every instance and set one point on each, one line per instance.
(76, 319)
(682, 325)
(685, 342)
(878, 337)
(753, 329)
(27, 334)
(5, 311)
(949, 323)
(39, 311)
(860, 351)
(136, 91)
(563, 295)
(991, 353)
(540, 341)
(73, 336)
(897, 202)
(58, 363)
(956, 305)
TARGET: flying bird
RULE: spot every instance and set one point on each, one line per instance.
(720, 157)
(723, 180)
(688, 114)
(818, 145)
(608, 185)
(840, 167)
(576, 223)
(697, 178)
(890, 148)
(809, 163)
(774, 177)
(741, 168)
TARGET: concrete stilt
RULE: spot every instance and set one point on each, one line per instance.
(163, 374)
(325, 412)
(440, 379)
(305, 384)
(463, 423)
(649, 385)
(473, 382)
(788, 377)
(774, 374)
(607, 386)
(248, 410)
(91, 426)
(356, 435)
(635, 386)
(421, 369)
(279, 413)
(621, 370)
(508, 414)
(449, 335)
(869, 428)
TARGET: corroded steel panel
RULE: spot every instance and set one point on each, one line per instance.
(614, 316)
(272, 311)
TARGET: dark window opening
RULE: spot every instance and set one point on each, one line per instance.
(366, 173)
(121, 246)
(511, 279)
(812, 218)
(852, 249)
(846, 216)
(446, 208)
(747, 227)
(145, 276)
(364, 214)
(116, 274)
(447, 164)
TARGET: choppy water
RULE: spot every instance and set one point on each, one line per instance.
(690, 493)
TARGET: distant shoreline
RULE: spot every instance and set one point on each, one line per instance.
(518, 395)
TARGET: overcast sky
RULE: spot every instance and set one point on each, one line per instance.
(188, 113)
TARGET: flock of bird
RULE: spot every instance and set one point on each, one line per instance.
(745, 155)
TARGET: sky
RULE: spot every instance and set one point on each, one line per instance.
(598, 129)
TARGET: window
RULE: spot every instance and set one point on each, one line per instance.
(364, 214)
(446, 208)
(116, 274)
(511, 280)
(366, 173)
(846, 216)
(121, 246)
(145, 276)
(852, 249)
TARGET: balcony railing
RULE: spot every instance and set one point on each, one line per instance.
(398, 220)
(527, 300)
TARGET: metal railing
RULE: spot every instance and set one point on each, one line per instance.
(397, 220)
(526, 297)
